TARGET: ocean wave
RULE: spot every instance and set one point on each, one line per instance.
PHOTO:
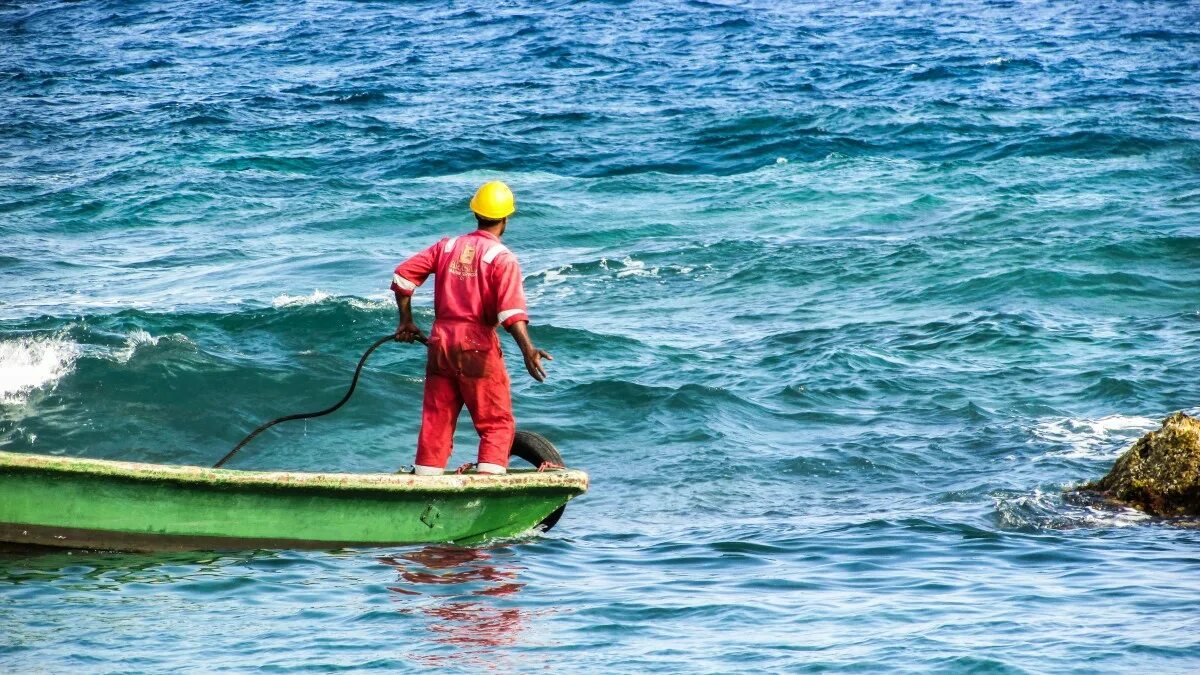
(317, 297)
(565, 281)
(372, 303)
(133, 340)
(1099, 439)
(1164, 35)
(1038, 510)
(934, 73)
(138, 339)
(360, 98)
(635, 268)
(33, 363)
(1043, 282)
(1007, 62)
(288, 300)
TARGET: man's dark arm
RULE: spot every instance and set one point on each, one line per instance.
(533, 355)
(406, 331)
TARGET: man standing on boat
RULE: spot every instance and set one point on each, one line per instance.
(477, 286)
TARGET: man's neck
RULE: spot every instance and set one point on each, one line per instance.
(495, 230)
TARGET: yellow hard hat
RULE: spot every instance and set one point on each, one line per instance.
(493, 200)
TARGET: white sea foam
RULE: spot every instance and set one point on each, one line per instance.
(555, 277)
(1103, 438)
(554, 284)
(372, 302)
(636, 268)
(28, 364)
(1040, 510)
(369, 303)
(286, 300)
(133, 340)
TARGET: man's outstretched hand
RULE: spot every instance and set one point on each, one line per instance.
(533, 363)
(407, 331)
(533, 356)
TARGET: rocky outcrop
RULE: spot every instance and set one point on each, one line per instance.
(1160, 474)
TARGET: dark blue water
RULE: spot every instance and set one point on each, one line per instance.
(841, 298)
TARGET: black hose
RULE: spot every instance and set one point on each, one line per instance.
(304, 416)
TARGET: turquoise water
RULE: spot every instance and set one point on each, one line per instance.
(841, 297)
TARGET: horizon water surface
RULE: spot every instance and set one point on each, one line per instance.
(841, 297)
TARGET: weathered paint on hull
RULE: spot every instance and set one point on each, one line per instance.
(81, 503)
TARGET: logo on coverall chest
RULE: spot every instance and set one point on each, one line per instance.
(464, 266)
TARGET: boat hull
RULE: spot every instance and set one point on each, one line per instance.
(82, 503)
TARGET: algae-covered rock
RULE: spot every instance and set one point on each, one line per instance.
(1160, 474)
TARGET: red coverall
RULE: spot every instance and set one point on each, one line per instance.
(477, 285)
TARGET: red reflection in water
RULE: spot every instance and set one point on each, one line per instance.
(464, 581)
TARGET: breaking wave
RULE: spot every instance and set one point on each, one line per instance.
(288, 300)
(318, 296)
(28, 364)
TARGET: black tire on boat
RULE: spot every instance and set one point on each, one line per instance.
(537, 449)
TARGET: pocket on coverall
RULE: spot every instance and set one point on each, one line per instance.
(466, 353)
(473, 355)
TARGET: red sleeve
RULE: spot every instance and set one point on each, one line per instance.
(414, 271)
(510, 290)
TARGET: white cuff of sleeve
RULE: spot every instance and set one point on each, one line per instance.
(403, 283)
(508, 314)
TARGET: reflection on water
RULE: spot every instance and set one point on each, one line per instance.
(86, 569)
(465, 595)
(463, 600)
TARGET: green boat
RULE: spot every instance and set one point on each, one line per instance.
(101, 504)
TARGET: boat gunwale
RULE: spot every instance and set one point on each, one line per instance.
(559, 480)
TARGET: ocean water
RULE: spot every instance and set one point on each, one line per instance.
(841, 297)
